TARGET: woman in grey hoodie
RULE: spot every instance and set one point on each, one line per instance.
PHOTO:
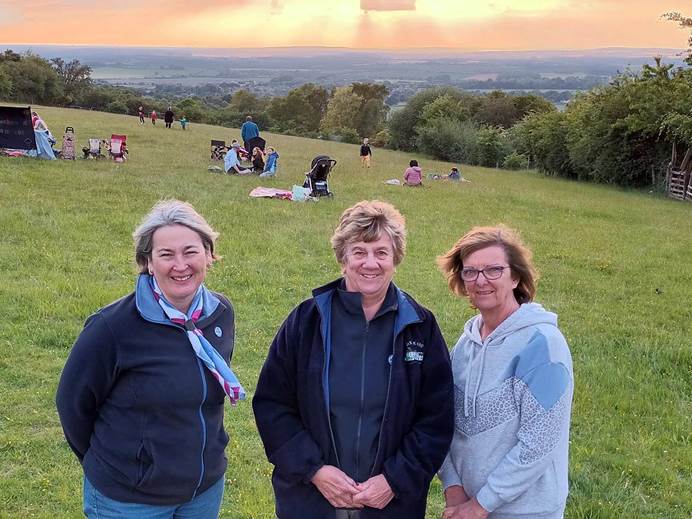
(513, 387)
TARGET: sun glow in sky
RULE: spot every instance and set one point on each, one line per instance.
(392, 24)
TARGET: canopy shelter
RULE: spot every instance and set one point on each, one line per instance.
(16, 130)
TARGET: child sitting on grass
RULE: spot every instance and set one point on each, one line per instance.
(413, 175)
(272, 162)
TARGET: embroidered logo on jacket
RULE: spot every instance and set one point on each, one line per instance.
(414, 351)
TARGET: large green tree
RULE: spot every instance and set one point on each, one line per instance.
(75, 76)
(33, 80)
(301, 111)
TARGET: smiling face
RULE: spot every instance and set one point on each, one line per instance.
(368, 268)
(495, 295)
(179, 263)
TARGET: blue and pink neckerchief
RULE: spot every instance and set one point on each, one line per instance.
(201, 346)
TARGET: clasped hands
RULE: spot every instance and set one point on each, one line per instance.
(459, 506)
(342, 492)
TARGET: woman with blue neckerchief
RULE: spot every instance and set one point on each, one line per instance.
(141, 397)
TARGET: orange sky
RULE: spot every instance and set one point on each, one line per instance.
(464, 24)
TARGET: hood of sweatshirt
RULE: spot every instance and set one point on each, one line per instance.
(527, 315)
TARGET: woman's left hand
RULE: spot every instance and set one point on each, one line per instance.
(471, 509)
(375, 492)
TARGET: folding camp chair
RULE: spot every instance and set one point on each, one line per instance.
(93, 151)
(118, 148)
(68, 139)
(218, 150)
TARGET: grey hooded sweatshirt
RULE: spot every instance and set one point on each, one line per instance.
(513, 398)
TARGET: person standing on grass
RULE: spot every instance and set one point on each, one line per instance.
(183, 122)
(153, 117)
(365, 154)
(354, 402)
(140, 112)
(141, 396)
(513, 387)
(168, 117)
(249, 130)
(413, 175)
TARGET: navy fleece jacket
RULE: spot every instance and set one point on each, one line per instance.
(140, 411)
(292, 412)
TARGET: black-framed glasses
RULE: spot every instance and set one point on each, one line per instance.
(490, 273)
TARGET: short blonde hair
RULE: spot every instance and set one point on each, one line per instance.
(367, 221)
(518, 257)
(170, 212)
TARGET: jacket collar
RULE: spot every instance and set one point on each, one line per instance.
(406, 313)
(150, 309)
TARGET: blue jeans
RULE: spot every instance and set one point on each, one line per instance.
(204, 506)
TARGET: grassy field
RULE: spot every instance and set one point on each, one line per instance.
(615, 266)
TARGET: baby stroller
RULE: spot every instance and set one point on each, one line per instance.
(317, 179)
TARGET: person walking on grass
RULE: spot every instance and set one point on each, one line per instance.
(153, 117)
(140, 112)
(248, 130)
(168, 117)
(365, 154)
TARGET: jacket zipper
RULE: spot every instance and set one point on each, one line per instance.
(362, 396)
(327, 404)
(204, 427)
(386, 408)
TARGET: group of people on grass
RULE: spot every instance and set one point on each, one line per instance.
(168, 117)
(358, 405)
(264, 161)
(413, 175)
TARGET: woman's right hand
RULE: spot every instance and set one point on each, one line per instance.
(455, 495)
(335, 486)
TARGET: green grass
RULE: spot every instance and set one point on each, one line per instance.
(615, 266)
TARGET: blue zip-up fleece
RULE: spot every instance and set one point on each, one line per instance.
(513, 397)
(138, 408)
(291, 408)
(248, 131)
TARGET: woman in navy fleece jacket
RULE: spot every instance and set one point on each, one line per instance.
(354, 402)
(141, 397)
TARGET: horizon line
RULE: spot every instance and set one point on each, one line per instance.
(335, 47)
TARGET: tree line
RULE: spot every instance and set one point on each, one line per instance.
(620, 133)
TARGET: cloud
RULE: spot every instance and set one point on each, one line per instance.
(276, 6)
(388, 5)
(10, 15)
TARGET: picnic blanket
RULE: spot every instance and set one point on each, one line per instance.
(271, 192)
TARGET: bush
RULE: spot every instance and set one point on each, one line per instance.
(493, 147)
(515, 161)
(349, 135)
(449, 139)
(381, 139)
(117, 106)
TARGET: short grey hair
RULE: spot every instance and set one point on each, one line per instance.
(367, 221)
(170, 212)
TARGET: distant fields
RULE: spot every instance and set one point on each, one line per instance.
(615, 265)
